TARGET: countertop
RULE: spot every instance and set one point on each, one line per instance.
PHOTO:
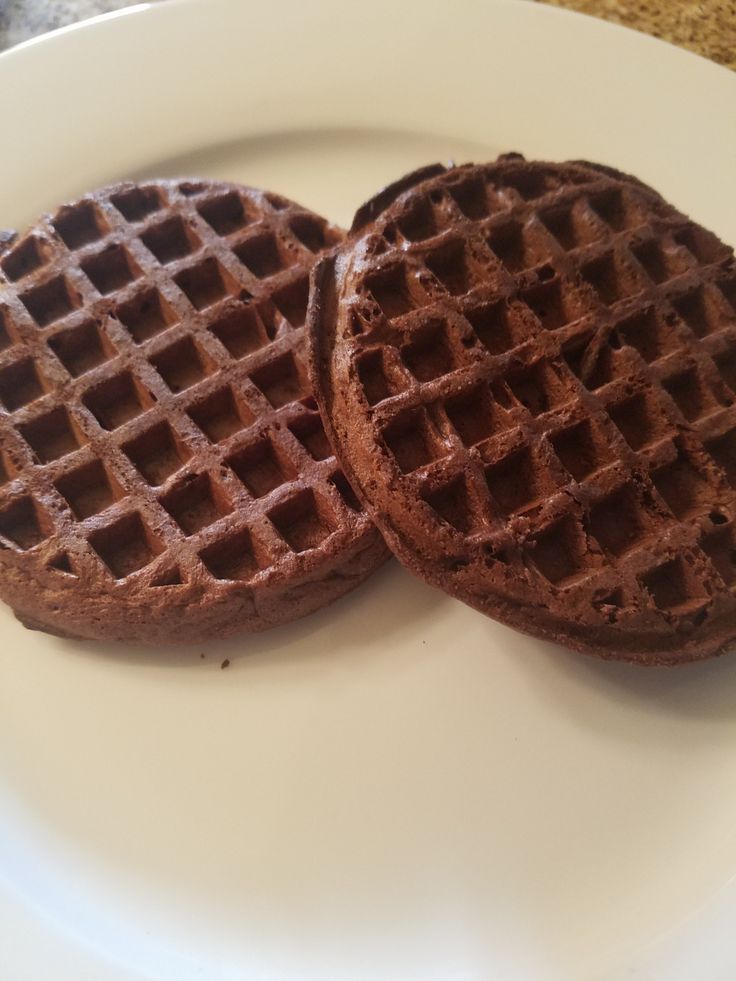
(707, 27)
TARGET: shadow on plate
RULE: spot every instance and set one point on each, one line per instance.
(371, 621)
(704, 690)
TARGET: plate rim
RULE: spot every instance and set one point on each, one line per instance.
(27, 53)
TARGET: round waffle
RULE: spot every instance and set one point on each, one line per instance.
(164, 472)
(528, 372)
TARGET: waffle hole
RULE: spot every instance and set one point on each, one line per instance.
(470, 197)
(637, 422)
(495, 326)
(651, 257)
(471, 415)
(219, 416)
(301, 522)
(671, 587)
(280, 381)
(574, 353)
(224, 214)
(558, 552)
(205, 283)
(156, 453)
(502, 397)
(727, 287)
(117, 400)
(168, 577)
(241, 331)
(429, 354)
(701, 244)
(593, 371)
(609, 206)
(50, 301)
(88, 489)
(508, 243)
(452, 504)
(538, 388)
(277, 201)
(580, 450)
(23, 524)
(146, 315)
(291, 301)
(645, 333)
(50, 435)
(726, 364)
(260, 468)
(419, 222)
(411, 441)
(261, 255)
(181, 364)
(232, 558)
(82, 348)
(62, 563)
(723, 451)
(170, 240)
(20, 384)
(346, 492)
(8, 471)
(79, 224)
(606, 279)
(30, 255)
(195, 503)
(515, 483)
(390, 290)
(111, 269)
(126, 545)
(450, 266)
(494, 556)
(378, 378)
(530, 184)
(356, 323)
(310, 432)
(381, 244)
(719, 547)
(683, 487)
(694, 310)
(310, 231)
(549, 305)
(561, 223)
(690, 394)
(137, 203)
(617, 522)
(610, 604)
(605, 368)
(7, 335)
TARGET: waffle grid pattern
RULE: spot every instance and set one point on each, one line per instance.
(158, 427)
(556, 365)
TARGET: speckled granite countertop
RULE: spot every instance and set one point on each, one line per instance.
(707, 27)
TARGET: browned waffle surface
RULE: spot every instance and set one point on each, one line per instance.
(528, 371)
(164, 471)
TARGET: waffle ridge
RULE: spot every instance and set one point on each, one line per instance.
(150, 349)
(538, 362)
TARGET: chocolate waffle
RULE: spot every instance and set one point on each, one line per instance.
(528, 372)
(165, 476)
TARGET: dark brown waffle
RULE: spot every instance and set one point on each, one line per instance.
(165, 474)
(528, 372)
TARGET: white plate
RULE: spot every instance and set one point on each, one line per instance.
(396, 787)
